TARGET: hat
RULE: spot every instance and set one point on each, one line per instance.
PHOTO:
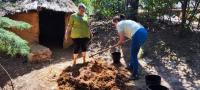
(81, 5)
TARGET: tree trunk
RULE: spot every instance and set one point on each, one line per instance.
(184, 5)
(132, 9)
(184, 11)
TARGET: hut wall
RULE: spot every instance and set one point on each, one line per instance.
(31, 35)
(67, 43)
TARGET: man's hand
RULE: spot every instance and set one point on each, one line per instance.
(66, 38)
(120, 42)
(68, 32)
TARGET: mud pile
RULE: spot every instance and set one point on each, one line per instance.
(94, 76)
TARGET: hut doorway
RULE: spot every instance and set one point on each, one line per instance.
(52, 28)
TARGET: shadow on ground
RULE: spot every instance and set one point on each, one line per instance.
(17, 67)
(175, 58)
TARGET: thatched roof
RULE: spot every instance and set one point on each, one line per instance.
(10, 7)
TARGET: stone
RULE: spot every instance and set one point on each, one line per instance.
(39, 53)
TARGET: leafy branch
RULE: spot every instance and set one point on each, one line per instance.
(9, 41)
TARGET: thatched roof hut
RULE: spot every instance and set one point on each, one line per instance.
(47, 17)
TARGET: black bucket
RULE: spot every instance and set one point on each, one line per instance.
(116, 57)
(152, 80)
(157, 87)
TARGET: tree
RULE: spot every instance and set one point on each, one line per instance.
(184, 11)
(132, 9)
(10, 43)
(103, 8)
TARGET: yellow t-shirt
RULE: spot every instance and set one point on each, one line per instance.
(80, 28)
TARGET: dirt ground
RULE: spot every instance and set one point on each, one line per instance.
(34, 76)
(175, 59)
(95, 76)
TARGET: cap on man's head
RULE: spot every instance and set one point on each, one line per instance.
(81, 5)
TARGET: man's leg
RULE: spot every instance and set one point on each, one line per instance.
(74, 58)
(76, 47)
(134, 60)
(84, 56)
(84, 46)
(137, 40)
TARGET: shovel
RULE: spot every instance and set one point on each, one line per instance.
(106, 49)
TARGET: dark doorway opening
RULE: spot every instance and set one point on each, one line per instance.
(52, 28)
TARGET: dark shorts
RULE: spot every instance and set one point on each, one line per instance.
(80, 44)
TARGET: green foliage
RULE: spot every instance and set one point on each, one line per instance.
(108, 8)
(159, 7)
(10, 42)
(8, 23)
(103, 8)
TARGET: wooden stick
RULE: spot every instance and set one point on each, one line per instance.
(105, 49)
(101, 51)
(8, 76)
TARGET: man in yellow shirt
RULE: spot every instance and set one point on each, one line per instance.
(78, 30)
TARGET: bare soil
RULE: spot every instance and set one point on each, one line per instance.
(176, 59)
(94, 76)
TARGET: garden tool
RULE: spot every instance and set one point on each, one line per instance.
(106, 49)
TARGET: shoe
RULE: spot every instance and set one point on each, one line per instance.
(134, 77)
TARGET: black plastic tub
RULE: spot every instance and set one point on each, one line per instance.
(157, 87)
(152, 80)
(116, 57)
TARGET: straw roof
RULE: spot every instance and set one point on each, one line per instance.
(16, 6)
